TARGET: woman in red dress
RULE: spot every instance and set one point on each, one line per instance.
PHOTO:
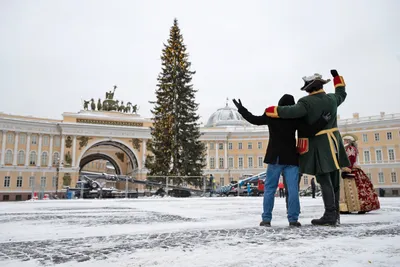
(357, 192)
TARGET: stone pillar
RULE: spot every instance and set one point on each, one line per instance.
(15, 149)
(208, 154)
(73, 151)
(62, 156)
(39, 159)
(28, 149)
(3, 147)
(144, 152)
(216, 155)
(226, 155)
(50, 159)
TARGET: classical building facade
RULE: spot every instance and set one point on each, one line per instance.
(46, 155)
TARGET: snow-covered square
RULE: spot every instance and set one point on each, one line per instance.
(191, 232)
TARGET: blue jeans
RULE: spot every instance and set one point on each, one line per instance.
(291, 174)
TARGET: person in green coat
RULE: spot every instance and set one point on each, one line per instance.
(322, 155)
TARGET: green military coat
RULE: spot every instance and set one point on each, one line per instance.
(324, 152)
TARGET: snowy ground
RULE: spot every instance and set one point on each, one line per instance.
(191, 232)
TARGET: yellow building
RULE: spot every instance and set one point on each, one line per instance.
(43, 155)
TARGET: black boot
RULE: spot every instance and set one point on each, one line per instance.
(329, 218)
(337, 204)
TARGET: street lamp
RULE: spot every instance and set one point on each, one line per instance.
(58, 173)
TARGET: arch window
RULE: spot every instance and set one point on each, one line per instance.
(43, 160)
(9, 157)
(21, 157)
(32, 158)
(56, 157)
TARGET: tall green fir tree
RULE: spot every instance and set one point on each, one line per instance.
(175, 145)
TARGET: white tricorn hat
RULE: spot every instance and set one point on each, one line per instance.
(309, 80)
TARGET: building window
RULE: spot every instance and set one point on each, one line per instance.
(212, 163)
(389, 135)
(221, 163)
(45, 140)
(250, 162)
(18, 197)
(10, 138)
(366, 157)
(259, 145)
(7, 181)
(33, 139)
(57, 141)
(369, 176)
(240, 161)
(249, 145)
(376, 136)
(9, 157)
(54, 181)
(22, 139)
(32, 158)
(230, 162)
(31, 181)
(19, 181)
(43, 182)
(56, 158)
(395, 192)
(393, 175)
(230, 146)
(381, 178)
(365, 138)
(391, 154)
(221, 181)
(211, 146)
(21, 157)
(221, 146)
(230, 179)
(260, 162)
(305, 178)
(6, 197)
(43, 160)
(240, 146)
(378, 155)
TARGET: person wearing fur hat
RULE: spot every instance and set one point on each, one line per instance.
(322, 155)
(357, 193)
(282, 157)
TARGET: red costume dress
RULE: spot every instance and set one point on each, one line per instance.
(357, 194)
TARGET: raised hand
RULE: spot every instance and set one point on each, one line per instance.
(238, 104)
(326, 116)
(334, 73)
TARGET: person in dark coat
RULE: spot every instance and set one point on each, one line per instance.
(281, 156)
(313, 187)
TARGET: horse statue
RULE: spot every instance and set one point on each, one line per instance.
(128, 107)
(99, 106)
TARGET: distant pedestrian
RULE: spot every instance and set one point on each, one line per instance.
(281, 187)
(313, 187)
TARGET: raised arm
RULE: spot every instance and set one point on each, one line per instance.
(308, 130)
(256, 120)
(340, 87)
(288, 112)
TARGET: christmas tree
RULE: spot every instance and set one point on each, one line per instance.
(175, 143)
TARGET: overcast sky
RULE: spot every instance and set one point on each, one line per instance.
(53, 53)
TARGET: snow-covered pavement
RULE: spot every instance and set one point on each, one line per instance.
(191, 232)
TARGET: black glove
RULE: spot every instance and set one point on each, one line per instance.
(326, 116)
(238, 104)
(334, 73)
(348, 175)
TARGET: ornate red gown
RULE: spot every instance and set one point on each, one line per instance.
(358, 194)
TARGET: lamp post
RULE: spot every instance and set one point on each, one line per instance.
(58, 173)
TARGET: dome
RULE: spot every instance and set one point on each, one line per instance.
(226, 116)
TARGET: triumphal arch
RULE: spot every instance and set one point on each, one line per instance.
(47, 155)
